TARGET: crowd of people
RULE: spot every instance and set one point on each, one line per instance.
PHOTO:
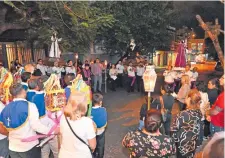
(160, 134)
(200, 116)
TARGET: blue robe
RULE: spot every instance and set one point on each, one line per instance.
(30, 95)
(15, 114)
(99, 116)
(39, 101)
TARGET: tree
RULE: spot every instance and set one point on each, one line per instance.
(146, 22)
(75, 22)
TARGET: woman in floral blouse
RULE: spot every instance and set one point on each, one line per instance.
(149, 142)
(186, 126)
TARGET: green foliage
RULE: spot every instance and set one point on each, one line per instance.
(146, 22)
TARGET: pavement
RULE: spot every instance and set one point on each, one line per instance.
(123, 113)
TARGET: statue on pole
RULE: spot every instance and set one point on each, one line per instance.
(55, 52)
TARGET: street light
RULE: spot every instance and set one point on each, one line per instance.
(149, 78)
(105, 63)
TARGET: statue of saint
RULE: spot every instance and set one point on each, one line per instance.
(55, 51)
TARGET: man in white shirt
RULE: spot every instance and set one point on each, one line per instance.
(194, 77)
(169, 76)
(41, 67)
(57, 70)
(140, 72)
(120, 69)
(188, 71)
(21, 119)
(4, 142)
(131, 77)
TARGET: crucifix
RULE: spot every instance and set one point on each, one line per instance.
(8, 119)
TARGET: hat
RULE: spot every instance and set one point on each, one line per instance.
(86, 65)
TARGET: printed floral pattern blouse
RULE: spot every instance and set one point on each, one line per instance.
(143, 145)
(185, 131)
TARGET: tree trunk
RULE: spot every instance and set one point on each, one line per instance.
(214, 38)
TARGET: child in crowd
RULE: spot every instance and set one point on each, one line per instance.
(25, 77)
(39, 100)
(4, 143)
(68, 78)
(33, 89)
(99, 116)
(194, 77)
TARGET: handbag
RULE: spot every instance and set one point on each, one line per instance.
(164, 111)
(79, 137)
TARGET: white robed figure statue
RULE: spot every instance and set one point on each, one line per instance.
(55, 51)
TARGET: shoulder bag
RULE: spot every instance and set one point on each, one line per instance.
(79, 137)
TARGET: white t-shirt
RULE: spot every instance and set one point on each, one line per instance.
(169, 76)
(119, 68)
(70, 70)
(42, 68)
(58, 71)
(72, 147)
(130, 71)
(189, 73)
(194, 76)
(140, 71)
(2, 106)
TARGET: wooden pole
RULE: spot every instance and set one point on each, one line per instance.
(213, 37)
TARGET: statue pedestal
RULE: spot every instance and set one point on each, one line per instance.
(50, 61)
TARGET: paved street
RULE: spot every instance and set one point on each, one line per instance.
(123, 114)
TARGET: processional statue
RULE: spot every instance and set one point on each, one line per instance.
(55, 52)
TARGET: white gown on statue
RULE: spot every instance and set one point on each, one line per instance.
(55, 51)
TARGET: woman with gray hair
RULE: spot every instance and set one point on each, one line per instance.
(77, 132)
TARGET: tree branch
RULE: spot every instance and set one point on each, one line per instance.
(7, 26)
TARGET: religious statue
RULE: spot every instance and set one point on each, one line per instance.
(55, 51)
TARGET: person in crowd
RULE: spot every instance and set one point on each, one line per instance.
(204, 105)
(131, 77)
(113, 76)
(78, 68)
(99, 116)
(167, 101)
(188, 71)
(39, 100)
(143, 111)
(213, 92)
(25, 78)
(68, 78)
(96, 70)
(140, 71)
(4, 142)
(17, 64)
(70, 68)
(185, 128)
(86, 74)
(149, 142)
(217, 112)
(41, 67)
(182, 93)
(120, 69)
(22, 123)
(74, 124)
(169, 76)
(3, 72)
(194, 77)
(85, 62)
(213, 148)
(57, 69)
(33, 89)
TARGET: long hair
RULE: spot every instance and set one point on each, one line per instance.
(195, 99)
(76, 106)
